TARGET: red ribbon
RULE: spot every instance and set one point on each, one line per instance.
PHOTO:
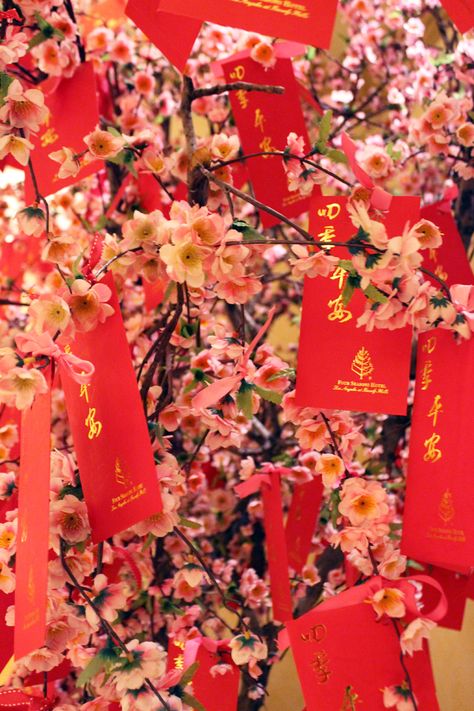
(95, 255)
(220, 388)
(15, 699)
(9, 15)
(380, 198)
(212, 645)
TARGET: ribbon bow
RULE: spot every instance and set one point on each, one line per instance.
(220, 388)
(380, 198)
(9, 15)
(42, 344)
(17, 700)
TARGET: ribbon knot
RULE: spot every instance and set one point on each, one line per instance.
(42, 344)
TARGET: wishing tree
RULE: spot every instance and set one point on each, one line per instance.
(235, 350)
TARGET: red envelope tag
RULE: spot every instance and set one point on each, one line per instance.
(219, 692)
(438, 526)
(344, 657)
(110, 433)
(341, 366)
(148, 192)
(301, 521)
(308, 21)
(461, 13)
(75, 97)
(448, 261)
(33, 527)
(264, 122)
(173, 34)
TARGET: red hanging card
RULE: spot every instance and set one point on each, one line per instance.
(449, 260)
(173, 34)
(461, 13)
(301, 522)
(309, 21)
(110, 433)
(264, 122)
(33, 527)
(344, 656)
(75, 97)
(219, 692)
(438, 526)
(341, 366)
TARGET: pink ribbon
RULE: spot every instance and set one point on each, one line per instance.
(42, 344)
(450, 194)
(220, 388)
(256, 481)
(380, 198)
(15, 699)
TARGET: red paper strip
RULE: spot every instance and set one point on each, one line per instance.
(438, 526)
(342, 366)
(449, 261)
(110, 433)
(455, 588)
(269, 484)
(173, 34)
(301, 521)
(339, 676)
(264, 122)
(309, 21)
(33, 527)
(61, 131)
(276, 549)
(461, 13)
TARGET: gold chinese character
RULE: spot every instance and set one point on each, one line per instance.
(439, 271)
(331, 211)
(328, 234)
(84, 392)
(95, 426)
(48, 137)
(436, 409)
(430, 345)
(242, 98)
(426, 378)
(23, 526)
(339, 274)
(350, 699)
(31, 588)
(260, 120)
(316, 634)
(338, 313)
(432, 454)
(179, 662)
(320, 666)
(238, 73)
(266, 145)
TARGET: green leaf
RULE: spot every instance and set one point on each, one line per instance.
(325, 127)
(310, 53)
(285, 373)
(336, 155)
(244, 399)
(188, 674)
(5, 81)
(269, 395)
(188, 524)
(113, 131)
(193, 702)
(375, 294)
(95, 666)
(443, 59)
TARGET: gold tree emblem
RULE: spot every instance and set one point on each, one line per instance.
(446, 507)
(362, 364)
(350, 699)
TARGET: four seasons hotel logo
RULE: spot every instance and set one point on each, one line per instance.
(362, 364)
